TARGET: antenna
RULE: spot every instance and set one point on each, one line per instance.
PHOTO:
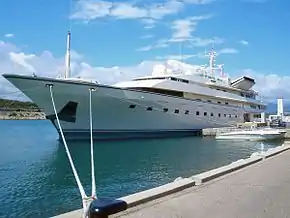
(221, 68)
(212, 56)
(67, 58)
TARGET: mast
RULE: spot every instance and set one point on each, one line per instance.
(211, 61)
(67, 58)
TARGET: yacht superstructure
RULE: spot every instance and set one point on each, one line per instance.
(177, 99)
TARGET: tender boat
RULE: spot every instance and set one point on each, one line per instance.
(253, 135)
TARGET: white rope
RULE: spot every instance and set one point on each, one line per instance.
(81, 189)
(94, 194)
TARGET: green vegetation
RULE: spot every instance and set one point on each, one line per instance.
(15, 105)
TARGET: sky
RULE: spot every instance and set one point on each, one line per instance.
(119, 39)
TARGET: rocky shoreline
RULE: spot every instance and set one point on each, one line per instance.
(21, 115)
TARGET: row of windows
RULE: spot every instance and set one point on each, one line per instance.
(180, 94)
(252, 96)
(176, 111)
(169, 78)
(247, 95)
(219, 102)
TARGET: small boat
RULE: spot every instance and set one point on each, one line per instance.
(253, 135)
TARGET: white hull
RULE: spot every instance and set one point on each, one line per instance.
(252, 135)
(112, 115)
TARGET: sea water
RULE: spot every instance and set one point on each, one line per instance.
(36, 179)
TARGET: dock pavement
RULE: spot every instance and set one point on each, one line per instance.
(260, 188)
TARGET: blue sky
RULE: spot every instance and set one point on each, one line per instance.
(250, 35)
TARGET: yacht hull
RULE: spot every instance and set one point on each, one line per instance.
(122, 113)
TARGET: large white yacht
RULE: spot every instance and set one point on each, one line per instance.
(177, 99)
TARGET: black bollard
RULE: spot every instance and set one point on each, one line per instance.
(102, 208)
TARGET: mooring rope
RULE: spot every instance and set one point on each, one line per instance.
(94, 194)
(81, 188)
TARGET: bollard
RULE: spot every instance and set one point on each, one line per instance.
(102, 208)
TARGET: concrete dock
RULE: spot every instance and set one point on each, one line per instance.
(255, 187)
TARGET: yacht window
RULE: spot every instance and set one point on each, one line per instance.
(165, 109)
(159, 91)
(209, 100)
(230, 116)
(197, 113)
(205, 113)
(149, 109)
(226, 103)
(219, 115)
(253, 106)
(186, 112)
(236, 116)
(176, 111)
(132, 106)
(224, 91)
(225, 115)
(219, 102)
(184, 80)
(211, 114)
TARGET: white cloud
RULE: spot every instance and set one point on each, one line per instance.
(92, 9)
(158, 11)
(148, 23)
(269, 85)
(9, 35)
(182, 31)
(161, 43)
(176, 57)
(14, 60)
(127, 11)
(148, 36)
(199, 42)
(145, 48)
(244, 42)
(228, 51)
(183, 28)
(198, 2)
(255, 1)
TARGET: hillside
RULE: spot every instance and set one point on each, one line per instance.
(6, 104)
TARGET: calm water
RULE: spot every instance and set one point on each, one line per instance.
(36, 179)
